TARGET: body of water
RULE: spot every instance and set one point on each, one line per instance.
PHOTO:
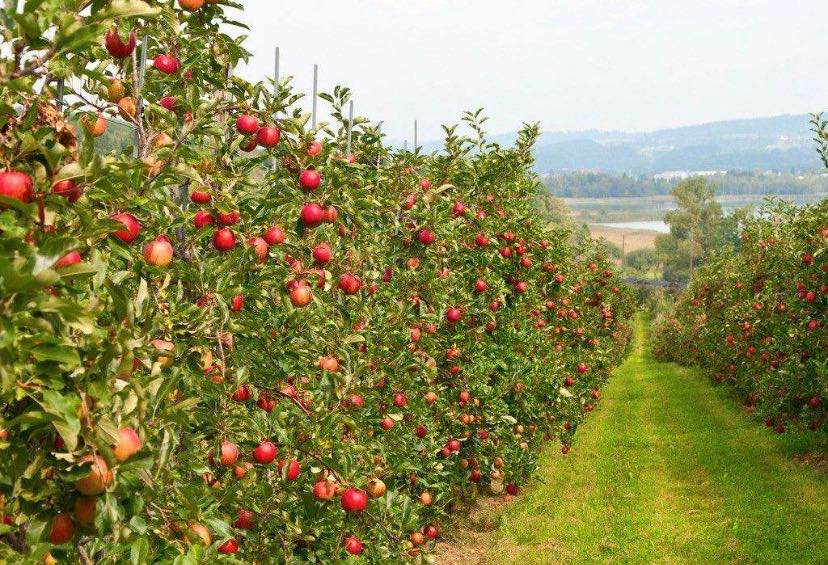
(656, 225)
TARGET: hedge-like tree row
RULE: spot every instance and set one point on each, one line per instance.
(243, 342)
(756, 318)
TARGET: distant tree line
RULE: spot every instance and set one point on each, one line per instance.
(604, 185)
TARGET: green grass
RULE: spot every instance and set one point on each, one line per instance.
(668, 470)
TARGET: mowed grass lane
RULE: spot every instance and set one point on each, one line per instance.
(667, 470)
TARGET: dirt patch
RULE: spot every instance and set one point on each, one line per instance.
(630, 239)
(467, 542)
(818, 461)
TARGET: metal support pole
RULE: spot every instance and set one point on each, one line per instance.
(59, 95)
(315, 90)
(415, 136)
(405, 145)
(350, 125)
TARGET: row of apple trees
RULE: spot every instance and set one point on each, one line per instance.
(235, 339)
(757, 319)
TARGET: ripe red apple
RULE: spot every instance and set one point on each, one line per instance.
(224, 239)
(354, 500)
(274, 235)
(386, 423)
(247, 124)
(357, 401)
(354, 545)
(324, 490)
(16, 185)
(480, 286)
(301, 295)
(312, 215)
(71, 258)
(67, 188)
(201, 196)
(167, 64)
(62, 529)
(230, 546)
(349, 283)
(245, 520)
(310, 179)
(431, 532)
(131, 225)
(331, 215)
(512, 489)
(260, 248)
(453, 315)
(464, 397)
(314, 149)
(582, 368)
(98, 478)
(85, 508)
(242, 394)
(202, 218)
(169, 103)
(116, 46)
(400, 400)
(265, 453)
(228, 454)
(430, 397)
(322, 253)
(229, 218)
(425, 184)
(268, 136)
(426, 237)
(237, 303)
(459, 209)
(158, 252)
(293, 470)
(128, 444)
(420, 431)
(475, 475)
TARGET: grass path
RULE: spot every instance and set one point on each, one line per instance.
(666, 470)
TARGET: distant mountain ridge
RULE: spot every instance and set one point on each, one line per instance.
(779, 143)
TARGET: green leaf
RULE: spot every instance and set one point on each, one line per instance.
(139, 551)
(128, 9)
(60, 353)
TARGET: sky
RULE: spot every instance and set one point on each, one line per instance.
(570, 64)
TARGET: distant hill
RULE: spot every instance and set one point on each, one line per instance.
(779, 143)
(782, 143)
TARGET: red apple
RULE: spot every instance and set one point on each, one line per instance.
(268, 136)
(116, 46)
(67, 188)
(237, 303)
(247, 124)
(312, 215)
(228, 454)
(71, 258)
(201, 196)
(158, 252)
(224, 239)
(16, 185)
(324, 490)
(229, 547)
(349, 283)
(354, 500)
(322, 253)
(128, 444)
(354, 545)
(426, 237)
(265, 453)
(301, 295)
(245, 520)
(131, 225)
(202, 218)
(274, 235)
(310, 179)
(167, 64)
(62, 529)
(453, 315)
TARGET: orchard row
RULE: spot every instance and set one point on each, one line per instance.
(757, 319)
(242, 340)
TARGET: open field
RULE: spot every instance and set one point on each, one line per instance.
(653, 207)
(627, 239)
(668, 470)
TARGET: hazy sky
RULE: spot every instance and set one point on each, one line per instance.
(571, 64)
